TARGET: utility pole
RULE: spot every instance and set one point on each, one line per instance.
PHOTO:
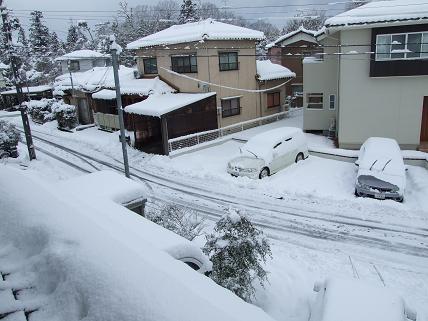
(113, 50)
(8, 34)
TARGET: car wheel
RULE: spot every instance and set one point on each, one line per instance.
(400, 199)
(264, 173)
(356, 193)
(299, 157)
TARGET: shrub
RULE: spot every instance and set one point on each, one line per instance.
(178, 219)
(65, 115)
(237, 250)
(9, 138)
(40, 110)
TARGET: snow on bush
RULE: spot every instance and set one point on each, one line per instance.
(181, 220)
(65, 115)
(237, 250)
(9, 137)
(40, 110)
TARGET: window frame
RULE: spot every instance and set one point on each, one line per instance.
(423, 54)
(192, 68)
(230, 111)
(279, 99)
(332, 101)
(313, 95)
(73, 62)
(151, 66)
(228, 63)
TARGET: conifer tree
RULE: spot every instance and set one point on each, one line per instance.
(40, 37)
(188, 12)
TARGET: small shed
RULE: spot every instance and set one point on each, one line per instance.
(10, 98)
(161, 117)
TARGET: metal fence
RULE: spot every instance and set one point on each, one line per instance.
(202, 137)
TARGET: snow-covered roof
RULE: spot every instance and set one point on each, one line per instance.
(105, 94)
(301, 29)
(355, 300)
(82, 54)
(31, 90)
(158, 105)
(382, 13)
(102, 77)
(267, 70)
(94, 259)
(3, 66)
(208, 29)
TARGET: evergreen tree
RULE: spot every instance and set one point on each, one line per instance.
(237, 250)
(312, 20)
(188, 12)
(39, 34)
(76, 39)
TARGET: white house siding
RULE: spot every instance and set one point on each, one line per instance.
(387, 107)
(321, 77)
(84, 64)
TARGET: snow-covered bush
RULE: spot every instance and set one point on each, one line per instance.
(65, 115)
(180, 220)
(237, 250)
(40, 110)
(9, 138)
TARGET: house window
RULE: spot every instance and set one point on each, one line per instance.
(400, 46)
(230, 107)
(184, 64)
(150, 66)
(315, 101)
(273, 99)
(73, 65)
(332, 102)
(228, 61)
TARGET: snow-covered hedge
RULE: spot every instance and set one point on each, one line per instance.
(9, 138)
(65, 115)
(41, 110)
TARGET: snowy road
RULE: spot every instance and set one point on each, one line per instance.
(276, 216)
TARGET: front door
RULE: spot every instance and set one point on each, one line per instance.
(424, 124)
(83, 111)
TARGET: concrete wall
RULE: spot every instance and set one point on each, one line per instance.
(387, 107)
(321, 77)
(208, 70)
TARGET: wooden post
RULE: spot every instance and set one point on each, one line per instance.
(164, 126)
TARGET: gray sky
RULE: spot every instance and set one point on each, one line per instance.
(60, 21)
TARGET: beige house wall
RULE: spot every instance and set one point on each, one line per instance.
(208, 70)
(265, 111)
(321, 76)
(387, 107)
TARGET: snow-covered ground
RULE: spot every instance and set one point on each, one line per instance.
(316, 184)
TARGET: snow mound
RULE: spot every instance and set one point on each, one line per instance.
(208, 29)
(266, 70)
(89, 258)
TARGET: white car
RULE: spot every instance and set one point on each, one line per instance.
(355, 300)
(269, 152)
(381, 170)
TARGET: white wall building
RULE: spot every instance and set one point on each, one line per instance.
(83, 60)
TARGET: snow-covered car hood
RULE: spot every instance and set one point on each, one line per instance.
(246, 162)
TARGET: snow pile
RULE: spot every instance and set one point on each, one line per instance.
(291, 34)
(266, 70)
(102, 77)
(82, 54)
(208, 29)
(158, 105)
(29, 90)
(86, 257)
(380, 12)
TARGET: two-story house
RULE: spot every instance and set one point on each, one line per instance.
(373, 80)
(83, 60)
(289, 51)
(211, 56)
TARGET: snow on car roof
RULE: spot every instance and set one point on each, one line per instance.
(207, 29)
(102, 77)
(107, 184)
(382, 147)
(266, 70)
(291, 34)
(92, 258)
(31, 90)
(382, 12)
(355, 300)
(158, 105)
(82, 54)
